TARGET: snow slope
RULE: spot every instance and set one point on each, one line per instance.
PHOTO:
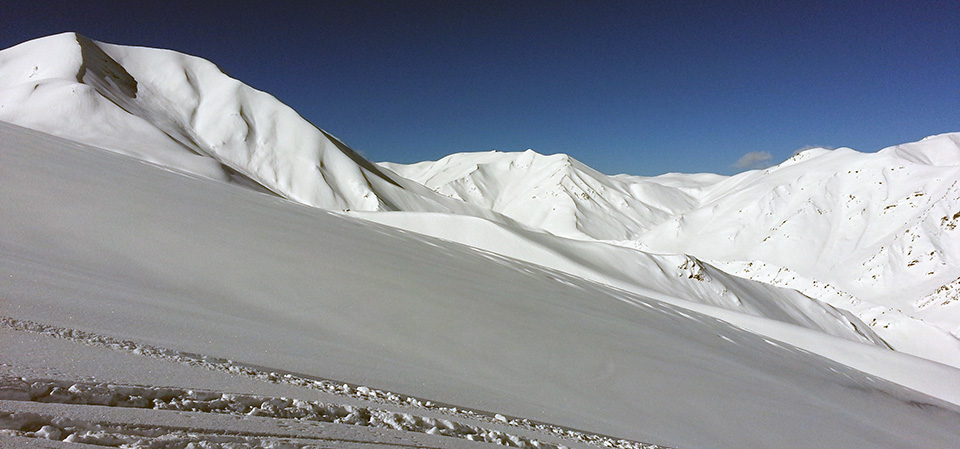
(677, 279)
(183, 113)
(96, 243)
(872, 235)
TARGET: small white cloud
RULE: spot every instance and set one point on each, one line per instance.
(754, 159)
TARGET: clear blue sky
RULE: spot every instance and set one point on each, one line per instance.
(626, 87)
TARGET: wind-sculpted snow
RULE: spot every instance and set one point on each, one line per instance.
(566, 198)
(675, 278)
(880, 228)
(550, 314)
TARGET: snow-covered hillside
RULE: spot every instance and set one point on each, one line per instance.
(206, 119)
(232, 235)
(875, 234)
(871, 233)
(677, 279)
(106, 253)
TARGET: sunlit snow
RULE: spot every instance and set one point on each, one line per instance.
(235, 260)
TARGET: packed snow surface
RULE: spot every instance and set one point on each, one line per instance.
(232, 235)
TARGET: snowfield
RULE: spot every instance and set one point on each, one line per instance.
(185, 260)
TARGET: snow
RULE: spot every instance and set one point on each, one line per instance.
(187, 234)
(554, 193)
(866, 233)
(239, 275)
(260, 142)
(863, 232)
(680, 280)
(56, 427)
(182, 112)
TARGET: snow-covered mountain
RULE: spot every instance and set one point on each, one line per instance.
(184, 113)
(556, 193)
(530, 285)
(871, 233)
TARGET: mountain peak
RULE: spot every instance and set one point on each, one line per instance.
(183, 112)
(553, 192)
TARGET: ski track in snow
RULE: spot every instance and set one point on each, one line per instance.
(38, 425)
